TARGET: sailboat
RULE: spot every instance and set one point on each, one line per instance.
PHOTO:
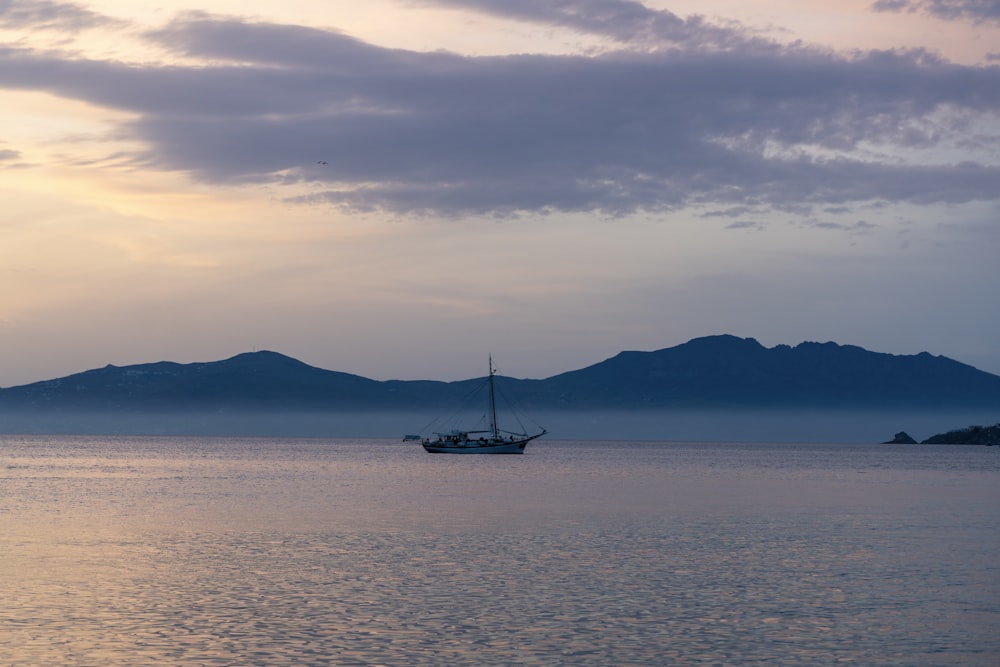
(492, 440)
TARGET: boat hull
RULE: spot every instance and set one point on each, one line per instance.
(516, 447)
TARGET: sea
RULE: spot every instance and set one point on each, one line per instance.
(133, 550)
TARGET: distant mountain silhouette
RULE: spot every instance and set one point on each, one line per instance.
(257, 380)
(715, 371)
(727, 371)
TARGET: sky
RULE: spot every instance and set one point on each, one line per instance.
(397, 189)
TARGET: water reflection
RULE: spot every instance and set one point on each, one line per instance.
(318, 553)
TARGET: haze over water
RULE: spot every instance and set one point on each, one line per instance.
(234, 551)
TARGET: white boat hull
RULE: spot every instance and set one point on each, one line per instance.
(473, 447)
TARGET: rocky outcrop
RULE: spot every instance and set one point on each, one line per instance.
(973, 435)
(901, 438)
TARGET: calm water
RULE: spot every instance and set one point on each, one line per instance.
(173, 551)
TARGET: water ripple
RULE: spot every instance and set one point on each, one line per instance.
(116, 554)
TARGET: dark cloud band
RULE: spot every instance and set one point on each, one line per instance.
(752, 124)
(949, 10)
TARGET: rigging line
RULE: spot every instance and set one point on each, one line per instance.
(459, 408)
(515, 413)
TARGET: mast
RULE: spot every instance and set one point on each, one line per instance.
(493, 404)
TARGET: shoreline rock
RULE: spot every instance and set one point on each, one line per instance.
(973, 435)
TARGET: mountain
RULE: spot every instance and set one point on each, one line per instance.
(727, 371)
(258, 380)
(715, 371)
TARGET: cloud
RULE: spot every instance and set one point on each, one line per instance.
(747, 224)
(749, 125)
(47, 15)
(624, 21)
(858, 226)
(950, 10)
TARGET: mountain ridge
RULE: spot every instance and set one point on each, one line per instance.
(726, 370)
(711, 371)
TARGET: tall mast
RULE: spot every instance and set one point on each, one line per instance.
(493, 405)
